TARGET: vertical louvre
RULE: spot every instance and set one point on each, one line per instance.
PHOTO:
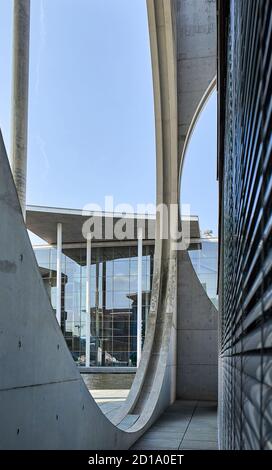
(246, 231)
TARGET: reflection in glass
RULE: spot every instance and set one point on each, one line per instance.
(204, 261)
(114, 286)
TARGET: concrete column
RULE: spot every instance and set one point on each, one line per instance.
(139, 296)
(59, 252)
(21, 30)
(88, 301)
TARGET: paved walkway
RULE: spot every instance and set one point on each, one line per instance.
(185, 425)
(109, 396)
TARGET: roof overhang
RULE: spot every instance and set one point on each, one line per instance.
(42, 221)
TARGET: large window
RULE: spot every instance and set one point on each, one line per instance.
(205, 263)
(113, 300)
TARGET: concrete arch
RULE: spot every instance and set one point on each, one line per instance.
(170, 22)
(46, 404)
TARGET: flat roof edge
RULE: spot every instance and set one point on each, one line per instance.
(83, 212)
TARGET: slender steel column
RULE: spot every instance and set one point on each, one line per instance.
(88, 301)
(104, 303)
(97, 346)
(139, 296)
(21, 32)
(59, 251)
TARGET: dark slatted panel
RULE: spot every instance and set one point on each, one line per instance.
(246, 330)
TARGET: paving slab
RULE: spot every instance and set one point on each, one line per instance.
(156, 444)
(198, 445)
(185, 425)
(207, 404)
(202, 435)
(181, 405)
(175, 426)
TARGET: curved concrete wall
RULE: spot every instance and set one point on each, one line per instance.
(154, 386)
(43, 401)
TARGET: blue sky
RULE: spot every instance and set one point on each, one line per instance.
(198, 183)
(91, 118)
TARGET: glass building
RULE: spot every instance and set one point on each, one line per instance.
(114, 281)
(115, 287)
(205, 262)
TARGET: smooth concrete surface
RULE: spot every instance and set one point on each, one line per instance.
(197, 336)
(19, 130)
(185, 425)
(196, 63)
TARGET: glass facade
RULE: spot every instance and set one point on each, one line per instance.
(114, 284)
(205, 263)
